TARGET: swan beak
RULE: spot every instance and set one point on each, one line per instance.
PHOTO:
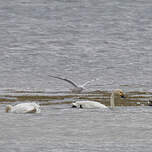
(122, 95)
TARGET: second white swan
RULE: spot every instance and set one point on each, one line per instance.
(93, 104)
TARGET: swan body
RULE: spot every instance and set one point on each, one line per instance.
(24, 108)
(88, 104)
(93, 104)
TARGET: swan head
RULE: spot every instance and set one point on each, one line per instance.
(115, 96)
(8, 108)
(74, 105)
(119, 93)
(77, 104)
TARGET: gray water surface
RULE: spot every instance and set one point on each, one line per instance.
(79, 40)
(61, 128)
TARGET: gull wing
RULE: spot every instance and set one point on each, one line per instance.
(67, 80)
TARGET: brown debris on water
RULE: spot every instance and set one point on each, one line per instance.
(132, 98)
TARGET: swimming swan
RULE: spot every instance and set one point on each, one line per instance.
(24, 108)
(88, 104)
(93, 104)
(76, 88)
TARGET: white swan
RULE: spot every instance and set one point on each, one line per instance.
(88, 104)
(24, 108)
(76, 88)
(93, 104)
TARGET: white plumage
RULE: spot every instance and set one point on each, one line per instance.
(88, 104)
(24, 108)
(94, 104)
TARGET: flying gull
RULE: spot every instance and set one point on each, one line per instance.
(76, 88)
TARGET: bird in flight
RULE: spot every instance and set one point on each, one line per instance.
(76, 88)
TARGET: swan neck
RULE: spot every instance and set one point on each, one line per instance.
(112, 101)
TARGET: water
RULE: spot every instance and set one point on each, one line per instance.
(79, 40)
(60, 128)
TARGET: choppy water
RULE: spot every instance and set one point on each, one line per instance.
(80, 40)
(60, 128)
(110, 40)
